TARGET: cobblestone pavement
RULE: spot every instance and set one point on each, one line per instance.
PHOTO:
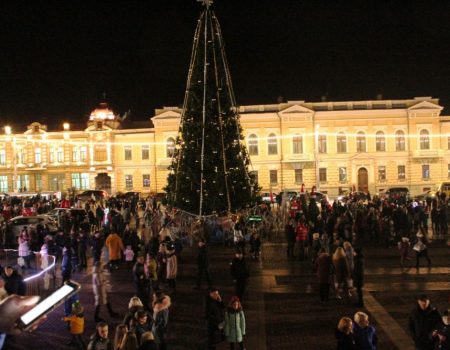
(282, 308)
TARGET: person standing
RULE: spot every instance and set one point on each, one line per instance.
(97, 246)
(203, 264)
(240, 274)
(289, 231)
(235, 324)
(115, 247)
(101, 296)
(421, 250)
(358, 275)
(365, 335)
(141, 282)
(423, 320)
(214, 318)
(341, 272)
(76, 320)
(161, 304)
(100, 340)
(24, 248)
(172, 269)
(344, 334)
(324, 268)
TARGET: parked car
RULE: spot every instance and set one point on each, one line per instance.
(93, 194)
(397, 193)
(19, 222)
(356, 196)
(127, 195)
(56, 213)
(425, 195)
(266, 197)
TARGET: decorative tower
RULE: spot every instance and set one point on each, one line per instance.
(209, 170)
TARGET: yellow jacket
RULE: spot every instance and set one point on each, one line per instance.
(76, 324)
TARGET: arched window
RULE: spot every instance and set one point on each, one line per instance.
(400, 140)
(170, 147)
(272, 145)
(424, 139)
(361, 142)
(341, 143)
(253, 145)
(380, 142)
(297, 144)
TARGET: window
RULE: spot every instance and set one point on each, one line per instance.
(146, 180)
(75, 155)
(60, 155)
(323, 174)
(399, 140)
(448, 142)
(253, 145)
(322, 143)
(298, 176)
(99, 125)
(23, 182)
(254, 175)
(128, 153)
(297, 144)
(425, 171)
(341, 143)
(83, 154)
(170, 147)
(2, 157)
(401, 172)
(382, 173)
(272, 145)
(273, 177)
(4, 183)
(343, 174)
(38, 182)
(21, 159)
(380, 142)
(360, 142)
(37, 155)
(448, 171)
(80, 181)
(100, 154)
(129, 182)
(145, 152)
(56, 182)
(51, 155)
(424, 139)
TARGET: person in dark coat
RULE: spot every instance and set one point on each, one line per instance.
(148, 342)
(214, 318)
(344, 334)
(365, 335)
(14, 283)
(289, 231)
(358, 275)
(203, 264)
(324, 266)
(240, 274)
(97, 246)
(441, 336)
(141, 281)
(423, 320)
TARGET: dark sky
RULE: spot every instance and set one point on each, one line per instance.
(57, 58)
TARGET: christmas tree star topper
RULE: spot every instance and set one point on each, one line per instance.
(207, 3)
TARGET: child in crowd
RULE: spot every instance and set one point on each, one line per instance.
(76, 320)
(129, 257)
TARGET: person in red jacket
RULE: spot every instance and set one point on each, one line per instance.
(302, 238)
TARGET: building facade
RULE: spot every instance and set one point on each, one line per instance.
(366, 145)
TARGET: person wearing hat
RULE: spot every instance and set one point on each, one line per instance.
(239, 273)
(76, 320)
(441, 335)
(423, 320)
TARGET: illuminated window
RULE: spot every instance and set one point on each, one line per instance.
(298, 176)
(401, 172)
(145, 152)
(51, 155)
(343, 174)
(323, 174)
(2, 157)
(448, 142)
(425, 171)
(399, 141)
(380, 142)
(100, 154)
(57, 182)
(272, 144)
(75, 155)
(448, 171)
(424, 139)
(129, 182)
(128, 153)
(382, 173)
(273, 177)
(37, 155)
(23, 182)
(322, 143)
(38, 182)
(60, 155)
(170, 147)
(21, 156)
(341, 143)
(80, 181)
(3, 183)
(253, 145)
(83, 153)
(360, 142)
(297, 144)
(146, 180)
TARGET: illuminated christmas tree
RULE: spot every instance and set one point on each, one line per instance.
(209, 170)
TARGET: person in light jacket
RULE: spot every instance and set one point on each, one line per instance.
(101, 296)
(172, 269)
(235, 324)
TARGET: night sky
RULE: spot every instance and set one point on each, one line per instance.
(57, 58)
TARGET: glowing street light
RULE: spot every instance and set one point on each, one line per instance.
(7, 130)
